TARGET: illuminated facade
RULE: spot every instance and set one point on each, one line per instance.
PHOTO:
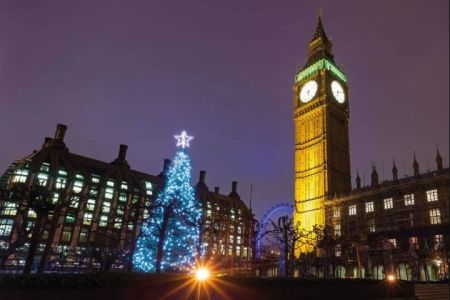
(322, 156)
(96, 210)
(227, 229)
(397, 227)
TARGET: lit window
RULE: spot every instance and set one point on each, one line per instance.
(90, 204)
(83, 235)
(231, 239)
(66, 234)
(20, 175)
(231, 228)
(103, 221)
(74, 201)
(413, 240)
(10, 209)
(5, 227)
(70, 218)
(32, 213)
(55, 198)
(438, 240)
(245, 252)
(208, 213)
(87, 219)
(337, 230)
(336, 212)
(230, 250)
(130, 226)
(45, 167)
(409, 199)
(393, 242)
(123, 197)
(120, 211)
(149, 188)
(369, 206)
(60, 182)
(432, 195)
(146, 214)
(110, 183)
(124, 185)
(118, 222)
(77, 186)
(388, 203)
(109, 192)
(435, 216)
(371, 225)
(352, 210)
(106, 207)
(42, 179)
(239, 229)
(238, 240)
(95, 178)
(337, 250)
(238, 250)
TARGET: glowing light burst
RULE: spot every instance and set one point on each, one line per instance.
(202, 274)
(391, 277)
(183, 139)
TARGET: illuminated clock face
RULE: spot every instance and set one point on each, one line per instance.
(338, 91)
(308, 91)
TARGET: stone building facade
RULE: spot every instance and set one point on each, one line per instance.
(398, 227)
(90, 212)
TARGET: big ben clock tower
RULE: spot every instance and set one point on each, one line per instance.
(321, 115)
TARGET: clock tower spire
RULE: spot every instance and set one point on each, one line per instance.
(321, 115)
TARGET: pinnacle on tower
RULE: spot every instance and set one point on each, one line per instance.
(358, 180)
(439, 163)
(394, 171)
(374, 177)
(320, 46)
(415, 166)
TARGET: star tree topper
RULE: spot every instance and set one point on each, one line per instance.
(183, 139)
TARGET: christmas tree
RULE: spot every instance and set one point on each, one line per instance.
(169, 237)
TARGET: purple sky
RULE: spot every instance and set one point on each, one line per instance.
(137, 72)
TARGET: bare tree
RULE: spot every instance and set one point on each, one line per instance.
(289, 238)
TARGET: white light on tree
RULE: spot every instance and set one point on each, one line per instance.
(183, 139)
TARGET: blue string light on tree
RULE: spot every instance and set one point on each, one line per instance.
(169, 237)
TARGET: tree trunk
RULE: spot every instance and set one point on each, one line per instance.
(48, 244)
(36, 237)
(162, 238)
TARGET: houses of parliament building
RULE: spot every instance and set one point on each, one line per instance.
(399, 226)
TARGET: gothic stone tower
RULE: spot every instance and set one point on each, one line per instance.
(321, 115)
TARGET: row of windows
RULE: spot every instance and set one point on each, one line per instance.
(20, 175)
(388, 203)
(221, 250)
(434, 215)
(438, 240)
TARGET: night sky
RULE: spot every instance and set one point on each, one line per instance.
(138, 72)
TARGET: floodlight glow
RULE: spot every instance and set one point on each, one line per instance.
(391, 278)
(202, 274)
